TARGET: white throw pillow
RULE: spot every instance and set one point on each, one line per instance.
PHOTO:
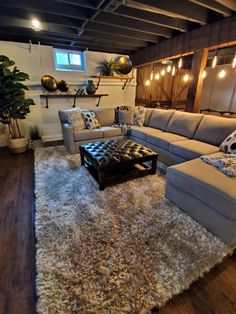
(75, 119)
(90, 120)
(139, 116)
(229, 144)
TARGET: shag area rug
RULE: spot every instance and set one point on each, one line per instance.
(122, 250)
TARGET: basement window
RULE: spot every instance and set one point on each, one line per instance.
(70, 60)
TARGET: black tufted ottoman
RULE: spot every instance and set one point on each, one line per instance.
(114, 161)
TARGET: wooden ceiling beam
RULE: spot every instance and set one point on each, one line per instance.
(213, 5)
(153, 18)
(183, 9)
(231, 4)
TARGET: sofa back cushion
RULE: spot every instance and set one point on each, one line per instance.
(184, 123)
(147, 115)
(105, 116)
(214, 130)
(160, 118)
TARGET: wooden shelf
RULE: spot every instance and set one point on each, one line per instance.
(75, 96)
(121, 78)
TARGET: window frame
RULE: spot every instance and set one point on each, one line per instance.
(70, 67)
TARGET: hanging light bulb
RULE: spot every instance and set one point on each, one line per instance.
(163, 72)
(214, 61)
(203, 74)
(234, 61)
(168, 68)
(186, 77)
(147, 83)
(180, 64)
(222, 74)
(173, 71)
(157, 76)
(36, 25)
(151, 76)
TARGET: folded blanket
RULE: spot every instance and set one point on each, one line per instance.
(226, 163)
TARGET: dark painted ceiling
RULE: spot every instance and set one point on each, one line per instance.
(107, 25)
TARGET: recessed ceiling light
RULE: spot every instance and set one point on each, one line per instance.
(36, 25)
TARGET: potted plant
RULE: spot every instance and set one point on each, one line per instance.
(107, 67)
(13, 104)
(35, 135)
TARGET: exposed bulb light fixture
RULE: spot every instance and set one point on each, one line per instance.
(222, 74)
(203, 74)
(168, 68)
(186, 78)
(151, 76)
(157, 76)
(173, 71)
(234, 61)
(180, 64)
(36, 25)
(147, 83)
(163, 72)
(214, 62)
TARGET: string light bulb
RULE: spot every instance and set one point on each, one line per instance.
(186, 78)
(168, 69)
(151, 76)
(147, 83)
(163, 72)
(222, 74)
(173, 71)
(180, 64)
(234, 61)
(157, 76)
(203, 74)
(36, 25)
(214, 62)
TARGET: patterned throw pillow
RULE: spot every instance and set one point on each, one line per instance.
(117, 110)
(75, 119)
(90, 120)
(229, 144)
(139, 116)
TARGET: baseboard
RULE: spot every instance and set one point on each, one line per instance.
(49, 138)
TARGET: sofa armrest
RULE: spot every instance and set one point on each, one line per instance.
(68, 138)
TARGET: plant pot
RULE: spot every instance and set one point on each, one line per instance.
(17, 145)
(32, 144)
(90, 88)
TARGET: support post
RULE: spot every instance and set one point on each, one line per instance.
(195, 86)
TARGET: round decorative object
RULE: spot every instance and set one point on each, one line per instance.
(63, 86)
(124, 65)
(90, 87)
(49, 83)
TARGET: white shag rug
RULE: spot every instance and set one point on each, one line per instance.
(122, 250)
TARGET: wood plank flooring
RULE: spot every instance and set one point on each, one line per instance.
(213, 294)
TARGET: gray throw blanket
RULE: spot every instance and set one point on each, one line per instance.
(226, 163)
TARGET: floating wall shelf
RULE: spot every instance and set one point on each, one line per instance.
(121, 78)
(75, 96)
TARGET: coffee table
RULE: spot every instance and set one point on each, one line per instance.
(114, 161)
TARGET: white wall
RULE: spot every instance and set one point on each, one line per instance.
(39, 61)
(219, 93)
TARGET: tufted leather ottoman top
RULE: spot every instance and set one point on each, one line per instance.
(113, 152)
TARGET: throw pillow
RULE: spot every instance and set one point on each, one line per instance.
(90, 120)
(126, 116)
(117, 110)
(139, 116)
(75, 119)
(229, 144)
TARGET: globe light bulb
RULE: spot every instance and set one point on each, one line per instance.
(222, 74)
(36, 25)
(180, 64)
(214, 62)
(157, 76)
(151, 76)
(186, 77)
(234, 62)
(147, 83)
(203, 74)
(173, 71)
(168, 69)
(163, 72)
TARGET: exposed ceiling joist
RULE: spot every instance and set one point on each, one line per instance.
(213, 5)
(231, 4)
(180, 9)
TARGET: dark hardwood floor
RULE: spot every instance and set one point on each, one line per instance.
(213, 294)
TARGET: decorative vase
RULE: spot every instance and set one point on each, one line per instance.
(90, 87)
(17, 145)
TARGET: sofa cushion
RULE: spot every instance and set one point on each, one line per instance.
(207, 184)
(88, 134)
(191, 149)
(214, 130)
(163, 139)
(105, 116)
(109, 131)
(184, 123)
(148, 115)
(141, 132)
(160, 118)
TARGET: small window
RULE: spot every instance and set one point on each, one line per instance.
(69, 60)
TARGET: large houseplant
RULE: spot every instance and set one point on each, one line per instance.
(107, 67)
(13, 104)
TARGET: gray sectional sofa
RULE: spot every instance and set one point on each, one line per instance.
(180, 138)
